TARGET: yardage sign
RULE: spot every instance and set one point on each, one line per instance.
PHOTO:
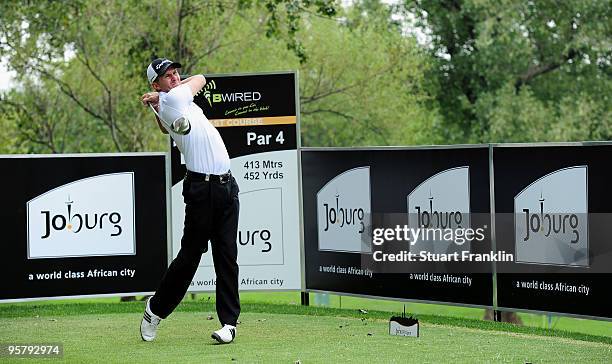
(256, 115)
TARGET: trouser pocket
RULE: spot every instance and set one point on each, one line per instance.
(195, 191)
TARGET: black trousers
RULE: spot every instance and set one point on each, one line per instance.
(211, 213)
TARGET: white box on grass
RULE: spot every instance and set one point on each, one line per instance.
(404, 326)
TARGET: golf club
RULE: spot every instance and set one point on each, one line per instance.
(180, 126)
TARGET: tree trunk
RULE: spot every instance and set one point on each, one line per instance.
(510, 317)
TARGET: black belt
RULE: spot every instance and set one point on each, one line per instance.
(221, 178)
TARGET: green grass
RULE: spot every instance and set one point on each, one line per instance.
(268, 332)
(276, 328)
(583, 326)
(592, 327)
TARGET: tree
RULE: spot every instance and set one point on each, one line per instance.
(89, 57)
(38, 121)
(93, 52)
(363, 85)
(520, 71)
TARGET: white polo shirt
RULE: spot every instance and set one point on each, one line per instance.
(203, 147)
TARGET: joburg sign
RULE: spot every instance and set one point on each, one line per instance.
(361, 221)
(433, 224)
(83, 224)
(71, 220)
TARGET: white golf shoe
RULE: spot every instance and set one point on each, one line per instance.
(148, 326)
(225, 335)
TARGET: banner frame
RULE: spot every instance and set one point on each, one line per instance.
(494, 238)
(398, 299)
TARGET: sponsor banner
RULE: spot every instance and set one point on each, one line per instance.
(551, 225)
(257, 119)
(552, 206)
(257, 113)
(72, 220)
(355, 200)
(83, 225)
(441, 202)
(344, 210)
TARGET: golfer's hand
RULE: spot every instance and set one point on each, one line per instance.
(150, 98)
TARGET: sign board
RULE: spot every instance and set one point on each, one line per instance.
(553, 208)
(77, 225)
(257, 117)
(351, 195)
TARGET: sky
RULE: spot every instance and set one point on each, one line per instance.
(5, 76)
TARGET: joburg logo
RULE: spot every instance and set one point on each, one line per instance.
(254, 237)
(344, 216)
(429, 217)
(551, 219)
(441, 202)
(262, 230)
(545, 223)
(344, 212)
(75, 222)
(91, 216)
(260, 236)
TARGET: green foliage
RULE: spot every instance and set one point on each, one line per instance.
(520, 70)
(360, 80)
(362, 87)
(523, 117)
(493, 71)
(292, 14)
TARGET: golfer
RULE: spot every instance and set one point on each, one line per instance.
(211, 198)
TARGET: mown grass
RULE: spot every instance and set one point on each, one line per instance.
(206, 303)
(585, 326)
(577, 325)
(108, 332)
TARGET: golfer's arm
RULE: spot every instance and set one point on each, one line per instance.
(195, 83)
(159, 124)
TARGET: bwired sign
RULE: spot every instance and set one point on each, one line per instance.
(212, 96)
(88, 217)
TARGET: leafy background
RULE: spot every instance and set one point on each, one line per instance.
(371, 72)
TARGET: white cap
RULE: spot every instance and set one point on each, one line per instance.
(158, 67)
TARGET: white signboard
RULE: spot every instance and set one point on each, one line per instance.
(441, 202)
(261, 137)
(344, 212)
(551, 219)
(89, 217)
